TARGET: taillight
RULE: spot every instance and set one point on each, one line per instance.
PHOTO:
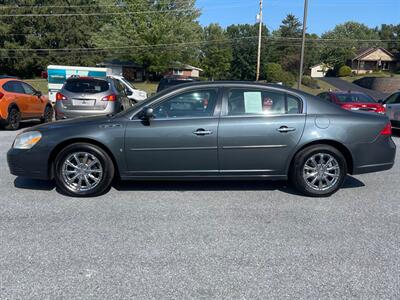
(60, 97)
(381, 110)
(387, 130)
(1, 95)
(111, 97)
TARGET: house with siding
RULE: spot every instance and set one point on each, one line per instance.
(374, 59)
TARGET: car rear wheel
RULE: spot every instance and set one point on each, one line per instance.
(83, 169)
(319, 170)
(48, 115)
(13, 119)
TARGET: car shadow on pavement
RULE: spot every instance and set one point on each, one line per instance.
(222, 185)
(34, 184)
(182, 186)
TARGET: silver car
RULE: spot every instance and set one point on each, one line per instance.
(392, 104)
(87, 96)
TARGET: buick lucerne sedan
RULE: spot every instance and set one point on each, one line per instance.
(209, 130)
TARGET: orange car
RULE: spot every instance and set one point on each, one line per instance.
(20, 101)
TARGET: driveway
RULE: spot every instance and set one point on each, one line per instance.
(199, 240)
(346, 86)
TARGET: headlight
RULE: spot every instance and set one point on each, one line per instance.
(27, 140)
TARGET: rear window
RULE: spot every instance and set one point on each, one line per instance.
(355, 98)
(90, 86)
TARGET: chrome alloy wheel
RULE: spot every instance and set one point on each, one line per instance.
(321, 171)
(82, 171)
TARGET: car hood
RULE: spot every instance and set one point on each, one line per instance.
(71, 123)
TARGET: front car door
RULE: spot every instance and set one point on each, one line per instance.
(181, 139)
(36, 103)
(259, 128)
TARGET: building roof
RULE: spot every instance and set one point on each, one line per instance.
(179, 65)
(367, 51)
(117, 62)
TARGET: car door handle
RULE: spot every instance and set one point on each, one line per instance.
(284, 129)
(202, 132)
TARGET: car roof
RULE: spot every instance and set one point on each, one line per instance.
(238, 83)
(347, 92)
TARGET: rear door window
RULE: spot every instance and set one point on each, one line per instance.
(14, 87)
(261, 102)
(87, 86)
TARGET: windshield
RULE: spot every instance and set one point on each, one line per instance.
(128, 83)
(355, 98)
(82, 85)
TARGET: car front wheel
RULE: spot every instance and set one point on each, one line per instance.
(319, 170)
(47, 115)
(83, 170)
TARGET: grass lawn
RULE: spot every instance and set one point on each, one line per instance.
(324, 87)
(39, 84)
(377, 74)
(149, 87)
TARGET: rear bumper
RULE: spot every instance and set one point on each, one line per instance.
(63, 113)
(28, 163)
(374, 157)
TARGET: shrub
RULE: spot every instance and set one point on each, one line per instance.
(274, 74)
(344, 71)
(310, 82)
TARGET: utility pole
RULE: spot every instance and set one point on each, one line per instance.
(303, 43)
(259, 40)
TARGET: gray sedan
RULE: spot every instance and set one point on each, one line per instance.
(218, 130)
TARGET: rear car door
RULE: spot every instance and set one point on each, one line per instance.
(258, 130)
(181, 139)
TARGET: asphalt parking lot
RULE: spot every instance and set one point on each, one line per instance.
(239, 240)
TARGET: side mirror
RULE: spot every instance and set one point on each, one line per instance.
(38, 93)
(147, 113)
(128, 92)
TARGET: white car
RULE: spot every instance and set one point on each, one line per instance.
(132, 92)
(392, 105)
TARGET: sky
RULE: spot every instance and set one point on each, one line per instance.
(323, 15)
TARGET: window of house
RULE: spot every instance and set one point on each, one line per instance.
(198, 103)
(177, 72)
(261, 102)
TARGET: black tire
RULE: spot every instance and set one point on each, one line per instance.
(298, 169)
(104, 159)
(47, 115)
(13, 119)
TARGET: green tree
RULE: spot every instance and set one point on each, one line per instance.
(243, 38)
(216, 53)
(45, 32)
(169, 33)
(342, 42)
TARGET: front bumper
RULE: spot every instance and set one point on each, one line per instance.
(28, 163)
(374, 157)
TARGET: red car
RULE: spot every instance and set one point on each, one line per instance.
(353, 101)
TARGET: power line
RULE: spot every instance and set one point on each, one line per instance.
(121, 13)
